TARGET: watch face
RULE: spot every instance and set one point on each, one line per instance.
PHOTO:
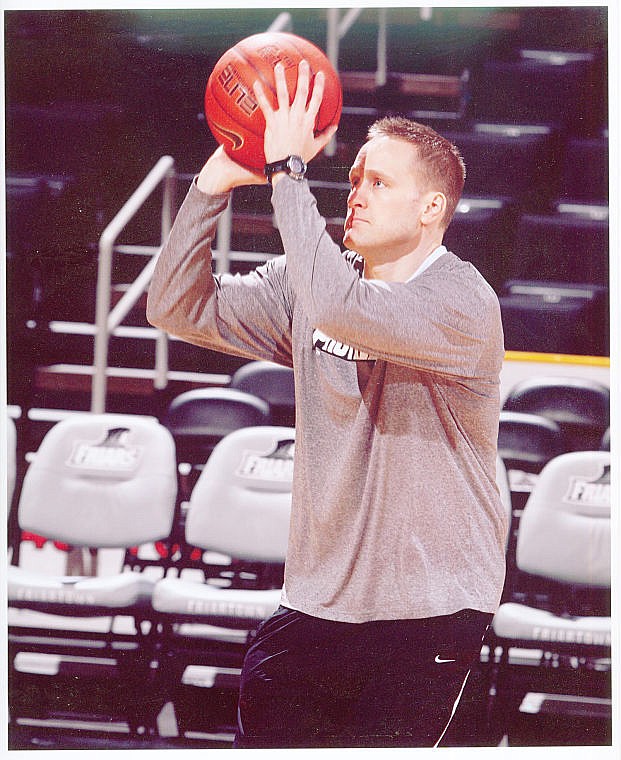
(296, 165)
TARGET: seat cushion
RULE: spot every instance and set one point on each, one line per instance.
(519, 622)
(76, 595)
(236, 608)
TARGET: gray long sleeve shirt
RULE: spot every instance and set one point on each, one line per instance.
(395, 509)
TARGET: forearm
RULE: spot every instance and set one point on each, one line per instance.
(246, 315)
(182, 282)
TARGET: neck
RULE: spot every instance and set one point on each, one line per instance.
(398, 270)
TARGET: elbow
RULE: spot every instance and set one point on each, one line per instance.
(156, 316)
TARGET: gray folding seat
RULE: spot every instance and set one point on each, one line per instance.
(551, 647)
(102, 483)
(199, 418)
(238, 517)
(579, 405)
(273, 383)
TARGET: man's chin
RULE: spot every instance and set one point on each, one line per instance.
(348, 242)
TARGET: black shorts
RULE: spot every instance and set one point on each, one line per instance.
(309, 682)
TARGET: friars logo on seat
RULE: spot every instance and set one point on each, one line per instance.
(592, 493)
(276, 466)
(111, 455)
(330, 346)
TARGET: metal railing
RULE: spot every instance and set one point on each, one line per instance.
(338, 26)
(106, 321)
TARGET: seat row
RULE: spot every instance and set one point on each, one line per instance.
(104, 483)
(171, 616)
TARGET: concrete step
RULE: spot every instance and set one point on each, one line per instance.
(129, 390)
(125, 380)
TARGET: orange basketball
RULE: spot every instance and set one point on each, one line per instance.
(231, 109)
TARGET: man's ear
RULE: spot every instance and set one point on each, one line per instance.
(434, 208)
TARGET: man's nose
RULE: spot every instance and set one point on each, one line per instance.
(356, 197)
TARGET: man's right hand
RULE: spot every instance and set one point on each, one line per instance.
(221, 174)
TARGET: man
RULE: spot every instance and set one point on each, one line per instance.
(395, 562)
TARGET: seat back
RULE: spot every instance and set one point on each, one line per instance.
(510, 161)
(556, 317)
(477, 231)
(241, 504)
(585, 170)
(535, 86)
(580, 406)
(565, 527)
(527, 442)
(101, 480)
(198, 419)
(561, 246)
(271, 382)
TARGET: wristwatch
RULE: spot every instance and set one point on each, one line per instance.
(292, 165)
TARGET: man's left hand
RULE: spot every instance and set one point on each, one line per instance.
(290, 128)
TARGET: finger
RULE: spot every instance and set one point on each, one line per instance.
(318, 89)
(303, 85)
(262, 99)
(282, 91)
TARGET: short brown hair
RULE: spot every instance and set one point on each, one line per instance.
(443, 166)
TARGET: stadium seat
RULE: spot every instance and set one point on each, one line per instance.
(420, 96)
(103, 483)
(562, 247)
(509, 161)
(556, 317)
(552, 646)
(584, 174)
(533, 87)
(273, 383)
(478, 233)
(199, 418)
(526, 443)
(579, 405)
(28, 196)
(239, 517)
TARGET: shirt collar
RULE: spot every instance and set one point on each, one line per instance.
(433, 256)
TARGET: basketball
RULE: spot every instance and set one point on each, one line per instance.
(231, 109)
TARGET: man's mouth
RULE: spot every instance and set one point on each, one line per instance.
(351, 220)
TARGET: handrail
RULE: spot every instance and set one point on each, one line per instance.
(339, 26)
(105, 321)
(337, 29)
(282, 23)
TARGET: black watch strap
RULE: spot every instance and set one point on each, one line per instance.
(294, 166)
